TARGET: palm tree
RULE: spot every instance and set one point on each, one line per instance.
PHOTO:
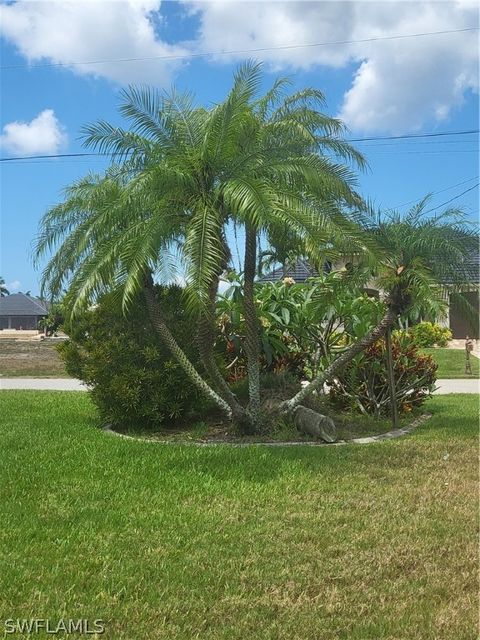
(182, 175)
(3, 289)
(425, 260)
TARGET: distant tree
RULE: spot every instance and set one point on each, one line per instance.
(53, 320)
(3, 289)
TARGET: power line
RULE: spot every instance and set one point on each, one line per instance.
(416, 135)
(99, 157)
(406, 136)
(452, 199)
(443, 152)
(433, 193)
(413, 143)
(238, 51)
(53, 155)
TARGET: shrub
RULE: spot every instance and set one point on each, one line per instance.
(133, 379)
(53, 321)
(429, 334)
(302, 326)
(363, 385)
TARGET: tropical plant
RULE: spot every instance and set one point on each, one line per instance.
(425, 259)
(302, 326)
(3, 289)
(429, 334)
(363, 384)
(54, 319)
(183, 174)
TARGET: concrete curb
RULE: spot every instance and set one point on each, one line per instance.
(390, 435)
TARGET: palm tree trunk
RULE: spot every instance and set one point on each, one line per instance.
(391, 377)
(337, 365)
(158, 321)
(206, 342)
(251, 325)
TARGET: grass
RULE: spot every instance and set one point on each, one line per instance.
(30, 359)
(181, 542)
(451, 363)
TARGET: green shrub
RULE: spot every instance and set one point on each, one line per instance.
(53, 321)
(302, 326)
(363, 384)
(429, 334)
(133, 379)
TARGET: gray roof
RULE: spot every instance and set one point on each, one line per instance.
(471, 270)
(302, 270)
(299, 271)
(19, 304)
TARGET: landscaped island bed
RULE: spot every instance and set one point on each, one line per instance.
(178, 542)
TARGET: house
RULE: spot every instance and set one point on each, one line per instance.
(300, 271)
(22, 312)
(455, 319)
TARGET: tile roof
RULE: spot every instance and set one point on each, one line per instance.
(19, 304)
(299, 271)
(471, 269)
(302, 270)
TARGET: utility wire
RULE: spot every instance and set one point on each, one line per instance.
(237, 51)
(452, 199)
(444, 152)
(433, 193)
(53, 155)
(416, 135)
(101, 157)
(414, 143)
(406, 136)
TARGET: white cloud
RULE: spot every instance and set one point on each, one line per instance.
(43, 134)
(399, 85)
(14, 286)
(66, 31)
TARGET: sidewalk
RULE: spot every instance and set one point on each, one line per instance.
(460, 385)
(43, 384)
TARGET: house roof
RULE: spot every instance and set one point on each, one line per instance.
(472, 268)
(299, 271)
(19, 304)
(302, 270)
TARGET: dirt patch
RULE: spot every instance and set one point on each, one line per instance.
(19, 358)
(223, 437)
(212, 430)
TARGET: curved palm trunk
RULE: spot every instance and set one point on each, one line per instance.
(158, 321)
(251, 326)
(206, 341)
(377, 332)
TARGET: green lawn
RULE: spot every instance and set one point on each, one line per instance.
(181, 542)
(451, 363)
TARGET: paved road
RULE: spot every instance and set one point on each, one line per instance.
(69, 384)
(45, 384)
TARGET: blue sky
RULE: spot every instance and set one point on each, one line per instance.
(380, 88)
